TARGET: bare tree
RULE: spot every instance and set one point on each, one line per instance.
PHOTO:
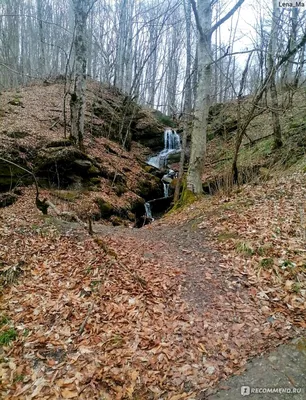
(203, 17)
(277, 133)
(77, 101)
(187, 100)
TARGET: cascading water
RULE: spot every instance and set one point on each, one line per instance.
(148, 211)
(172, 144)
(166, 189)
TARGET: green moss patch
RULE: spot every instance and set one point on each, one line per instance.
(106, 209)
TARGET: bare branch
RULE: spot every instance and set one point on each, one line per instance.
(34, 17)
(226, 17)
(196, 16)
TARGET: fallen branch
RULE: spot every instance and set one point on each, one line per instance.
(114, 255)
(257, 140)
(40, 204)
(136, 277)
(81, 329)
(54, 123)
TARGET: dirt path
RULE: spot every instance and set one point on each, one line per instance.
(185, 247)
(87, 327)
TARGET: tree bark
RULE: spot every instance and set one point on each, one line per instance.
(187, 100)
(277, 132)
(42, 58)
(203, 17)
(77, 101)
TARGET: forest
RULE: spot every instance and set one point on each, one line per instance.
(152, 199)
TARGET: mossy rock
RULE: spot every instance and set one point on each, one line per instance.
(149, 187)
(227, 235)
(186, 198)
(93, 171)
(61, 166)
(10, 175)
(164, 119)
(120, 189)
(149, 168)
(116, 221)
(106, 209)
(137, 207)
(16, 102)
(174, 157)
(95, 181)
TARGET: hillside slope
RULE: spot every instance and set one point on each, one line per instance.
(111, 180)
(163, 312)
(257, 158)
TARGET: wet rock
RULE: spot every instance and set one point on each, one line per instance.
(83, 164)
(7, 199)
(174, 157)
(149, 187)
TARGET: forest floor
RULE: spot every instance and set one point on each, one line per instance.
(162, 312)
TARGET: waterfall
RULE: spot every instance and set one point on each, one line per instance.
(172, 144)
(148, 211)
(166, 189)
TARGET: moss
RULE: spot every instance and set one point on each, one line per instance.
(16, 102)
(226, 235)
(120, 189)
(95, 181)
(106, 209)
(116, 221)
(150, 187)
(228, 206)
(187, 197)
(164, 119)
(148, 168)
(67, 195)
(93, 170)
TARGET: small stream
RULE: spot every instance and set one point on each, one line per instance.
(172, 144)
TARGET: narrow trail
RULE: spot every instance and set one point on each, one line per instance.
(184, 247)
(86, 328)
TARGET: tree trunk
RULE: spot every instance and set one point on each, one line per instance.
(198, 138)
(273, 91)
(77, 102)
(187, 100)
(203, 17)
(42, 58)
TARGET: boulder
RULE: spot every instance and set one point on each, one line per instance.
(62, 166)
(174, 157)
(149, 187)
(148, 130)
(6, 199)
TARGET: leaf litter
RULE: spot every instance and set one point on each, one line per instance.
(88, 329)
